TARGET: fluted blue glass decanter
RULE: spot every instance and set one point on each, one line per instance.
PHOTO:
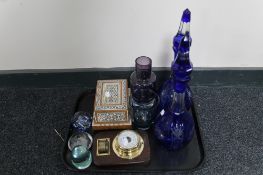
(181, 42)
(174, 127)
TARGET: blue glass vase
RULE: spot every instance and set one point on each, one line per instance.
(181, 43)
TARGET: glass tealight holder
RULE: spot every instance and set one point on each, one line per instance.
(80, 139)
(144, 113)
(81, 157)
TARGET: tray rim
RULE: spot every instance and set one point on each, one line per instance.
(198, 132)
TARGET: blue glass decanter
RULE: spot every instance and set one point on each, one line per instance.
(174, 127)
(181, 42)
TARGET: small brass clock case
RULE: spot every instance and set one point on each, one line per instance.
(131, 148)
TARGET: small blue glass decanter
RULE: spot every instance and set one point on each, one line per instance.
(181, 42)
(174, 127)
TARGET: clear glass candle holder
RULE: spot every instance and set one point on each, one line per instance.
(80, 139)
(144, 114)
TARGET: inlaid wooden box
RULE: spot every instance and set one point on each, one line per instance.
(111, 105)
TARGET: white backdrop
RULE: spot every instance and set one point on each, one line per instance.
(54, 34)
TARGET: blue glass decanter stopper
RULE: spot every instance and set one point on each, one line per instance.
(144, 100)
(183, 33)
(181, 42)
(174, 127)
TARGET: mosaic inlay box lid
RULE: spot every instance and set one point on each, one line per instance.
(111, 105)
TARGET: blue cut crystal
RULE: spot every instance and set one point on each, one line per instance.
(186, 17)
(174, 127)
(181, 43)
(183, 35)
(166, 95)
(81, 121)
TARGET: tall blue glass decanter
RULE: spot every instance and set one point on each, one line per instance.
(174, 127)
(181, 42)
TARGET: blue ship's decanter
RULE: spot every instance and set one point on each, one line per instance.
(174, 127)
(181, 42)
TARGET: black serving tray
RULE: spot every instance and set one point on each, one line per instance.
(162, 160)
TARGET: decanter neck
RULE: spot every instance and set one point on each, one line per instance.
(184, 28)
(178, 104)
(181, 70)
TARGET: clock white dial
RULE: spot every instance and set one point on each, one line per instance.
(128, 139)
